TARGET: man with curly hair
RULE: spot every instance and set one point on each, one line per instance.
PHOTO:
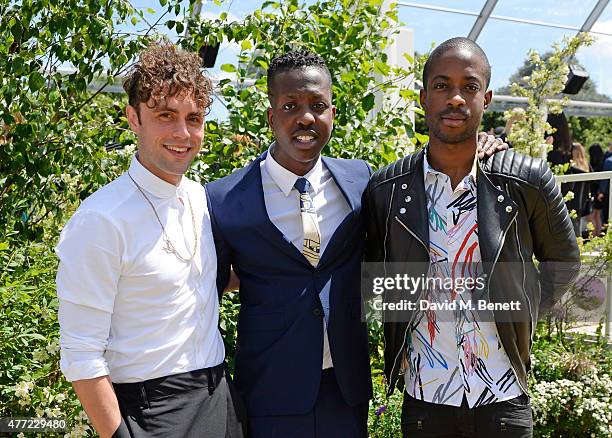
(138, 305)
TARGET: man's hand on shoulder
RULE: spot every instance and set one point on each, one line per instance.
(489, 145)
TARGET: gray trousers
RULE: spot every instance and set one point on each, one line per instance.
(198, 404)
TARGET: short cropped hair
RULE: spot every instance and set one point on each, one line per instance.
(295, 60)
(459, 43)
(164, 70)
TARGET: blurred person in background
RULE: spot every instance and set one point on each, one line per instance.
(596, 159)
(603, 190)
(561, 140)
(581, 203)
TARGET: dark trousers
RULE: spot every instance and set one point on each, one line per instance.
(510, 418)
(331, 417)
(194, 404)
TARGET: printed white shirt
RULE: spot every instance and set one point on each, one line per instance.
(129, 308)
(455, 352)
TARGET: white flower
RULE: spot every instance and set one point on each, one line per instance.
(53, 347)
(22, 389)
(40, 355)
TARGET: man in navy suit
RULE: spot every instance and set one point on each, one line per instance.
(291, 225)
(302, 361)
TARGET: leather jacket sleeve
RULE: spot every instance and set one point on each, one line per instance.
(374, 236)
(554, 241)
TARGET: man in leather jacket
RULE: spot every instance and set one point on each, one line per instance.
(442, 213)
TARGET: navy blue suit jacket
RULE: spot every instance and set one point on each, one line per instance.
(280, 324)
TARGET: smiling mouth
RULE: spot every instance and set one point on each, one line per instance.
(176, 149)
(304, 138)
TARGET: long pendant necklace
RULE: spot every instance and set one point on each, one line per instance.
(168, 246)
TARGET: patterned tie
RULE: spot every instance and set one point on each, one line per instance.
(312, 237)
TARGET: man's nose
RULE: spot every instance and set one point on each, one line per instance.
(180, 129)
(306, 118)
(455, 98)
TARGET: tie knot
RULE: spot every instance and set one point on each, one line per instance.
(302, 185)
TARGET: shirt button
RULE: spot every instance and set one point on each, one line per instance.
(404, 186)
(317, 312)
(408, 198)
(402, 210)
(500, 198)
(509, 209)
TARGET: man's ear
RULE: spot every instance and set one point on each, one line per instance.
(488, 96)
(422, 95)
(132, 118)
(270, 118)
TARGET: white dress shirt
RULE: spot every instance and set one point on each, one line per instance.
(452, 353)
(283, 207)
(129, 308)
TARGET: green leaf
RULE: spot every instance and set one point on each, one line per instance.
(36, 81)
(229, 68)
(367, 103)
(246, 45)
(381, 68)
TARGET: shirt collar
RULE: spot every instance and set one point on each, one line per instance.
(152, 183)
(285, 179)
(427, 169)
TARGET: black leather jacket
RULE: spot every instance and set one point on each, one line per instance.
(521, 214)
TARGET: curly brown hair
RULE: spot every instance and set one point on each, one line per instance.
(164, 70)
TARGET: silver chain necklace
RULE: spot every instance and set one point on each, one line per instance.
(168, 246)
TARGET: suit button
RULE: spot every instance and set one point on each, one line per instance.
(317, 312)
(500, 198)
(509, 209)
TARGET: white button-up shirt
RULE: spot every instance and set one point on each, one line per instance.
(283, 207)
(455, 352)
(129, 308)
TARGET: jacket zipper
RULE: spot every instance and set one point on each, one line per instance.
(414, 313)
(518, 244)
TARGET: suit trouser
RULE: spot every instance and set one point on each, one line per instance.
(510, 418)
(331, 417)
(198, 403)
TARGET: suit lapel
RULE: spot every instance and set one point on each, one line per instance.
(253, 207)
(345, 182)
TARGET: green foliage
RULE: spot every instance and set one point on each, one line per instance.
(589, 130)
(385, 412)
(53, 130)
(547, 79)
(571, 385)
(351, 36)
(588, 92)
(31, 383)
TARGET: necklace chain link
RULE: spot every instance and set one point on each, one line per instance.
(168, 245)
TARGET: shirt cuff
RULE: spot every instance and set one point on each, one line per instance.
(83, 369)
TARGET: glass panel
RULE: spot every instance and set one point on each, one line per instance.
(567, 12)
(433, 27)
(507, 43)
